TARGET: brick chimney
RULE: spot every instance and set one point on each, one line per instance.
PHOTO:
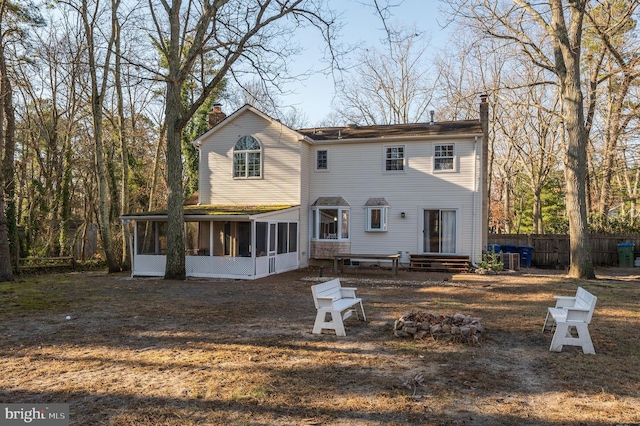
(216, 115)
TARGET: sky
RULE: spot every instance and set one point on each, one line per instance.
(361, 25)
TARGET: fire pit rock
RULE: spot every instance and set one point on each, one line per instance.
(454, 327)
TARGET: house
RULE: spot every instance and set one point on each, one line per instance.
(273, 199)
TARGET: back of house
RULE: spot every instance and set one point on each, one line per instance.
(273, 199)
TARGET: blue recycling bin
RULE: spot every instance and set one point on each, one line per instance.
(526, 252)
(494, 248)
(508, 248)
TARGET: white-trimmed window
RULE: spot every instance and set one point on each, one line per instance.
(376, 219)
(444, 157)
(376, 210)
(247, 158)
(394, 159)
(330, 223)
(322, 160)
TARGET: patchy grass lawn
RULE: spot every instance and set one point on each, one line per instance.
(219, 352)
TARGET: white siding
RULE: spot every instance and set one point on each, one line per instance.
(306, 158)
(356, 172)
(280, 181)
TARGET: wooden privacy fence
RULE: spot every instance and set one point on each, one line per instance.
(552, 251)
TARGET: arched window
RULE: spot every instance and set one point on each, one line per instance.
(247, 154)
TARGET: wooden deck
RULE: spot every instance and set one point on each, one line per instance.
(440, 262)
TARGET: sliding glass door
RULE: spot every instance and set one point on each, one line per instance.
(439, 231)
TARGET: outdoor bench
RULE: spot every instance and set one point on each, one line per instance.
(571, 311)
(336, 301)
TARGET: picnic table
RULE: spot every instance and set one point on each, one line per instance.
(340, 258)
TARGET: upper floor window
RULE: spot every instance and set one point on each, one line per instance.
(322, 159)
(394, 158)
(444, 157)
(247, 158)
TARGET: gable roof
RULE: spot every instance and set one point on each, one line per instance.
(355, 132)
(236, 113)
(331, 201)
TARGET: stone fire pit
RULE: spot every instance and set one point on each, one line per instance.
(454, 327)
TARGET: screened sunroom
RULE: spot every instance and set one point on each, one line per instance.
(220, 241)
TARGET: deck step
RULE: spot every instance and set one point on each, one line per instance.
(439, 262)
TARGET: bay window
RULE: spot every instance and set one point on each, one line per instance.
(330, 223)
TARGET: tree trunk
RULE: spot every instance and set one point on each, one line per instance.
(576, 175)
(155, 169)
(6, 273)
(103, 190)
(8, 164)
(175, 268)
(567, 56)
(507, 206)
(97, 97)
(65, 209)
(537, 211)
(124, 185)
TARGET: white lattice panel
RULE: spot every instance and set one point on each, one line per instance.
(242, 266)
(198, 265)
(150, 265)
(216, 266)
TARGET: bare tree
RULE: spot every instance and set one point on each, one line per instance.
(390, 85)
(613, 60)
(99, 59)
(530, 124)
(258, 94)
(13, 18)
(532, 27)
(121, 132)
(240, 35)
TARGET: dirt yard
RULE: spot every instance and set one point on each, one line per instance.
(149, 352)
